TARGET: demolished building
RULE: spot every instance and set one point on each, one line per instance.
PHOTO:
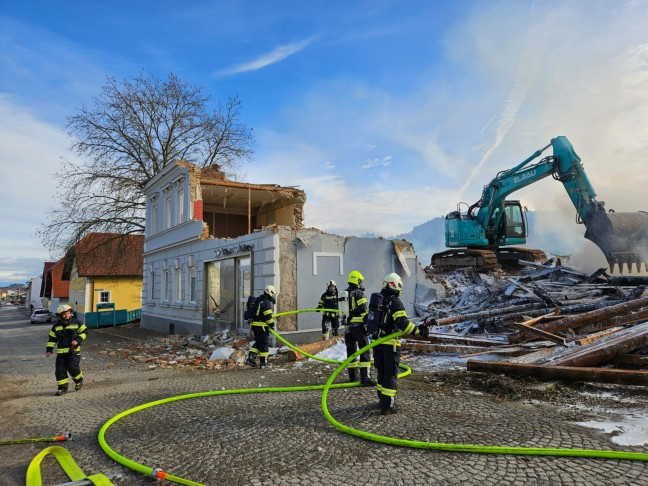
(211, 241)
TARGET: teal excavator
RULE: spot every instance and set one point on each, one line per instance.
(486, 233)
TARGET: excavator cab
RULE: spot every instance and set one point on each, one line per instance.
(512, 229)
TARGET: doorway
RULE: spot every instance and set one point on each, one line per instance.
(229, 283)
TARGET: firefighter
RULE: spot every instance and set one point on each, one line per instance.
(66, 335)
(387, 354)
(329, 300)
(260, 324)
(356, 336)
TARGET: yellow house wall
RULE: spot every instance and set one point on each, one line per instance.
(77, 292)
(125, 292)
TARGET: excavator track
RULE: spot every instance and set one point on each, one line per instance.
(485, 260)
(449, 260)
(511, 255)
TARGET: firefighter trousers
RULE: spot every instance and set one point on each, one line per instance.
(68, 363)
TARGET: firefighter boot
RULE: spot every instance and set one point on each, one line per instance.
(251, 360)
(353, 374)
(60, 391)
(365, 379)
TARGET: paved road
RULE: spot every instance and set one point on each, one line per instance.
(280, 438)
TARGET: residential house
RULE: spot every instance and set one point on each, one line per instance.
(211, 242)
(46, 287)
(106, 268)
(34, 300)
(60, 286)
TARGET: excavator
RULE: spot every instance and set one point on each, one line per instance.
(483, 236)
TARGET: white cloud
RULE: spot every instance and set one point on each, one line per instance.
(276, 55)
(29, 156)
(383, 162)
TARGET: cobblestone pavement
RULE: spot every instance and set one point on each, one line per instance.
(284, 438)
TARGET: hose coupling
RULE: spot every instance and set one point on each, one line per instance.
(64, 436)
(158, 474)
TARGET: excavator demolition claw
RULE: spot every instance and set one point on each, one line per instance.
(622, 237)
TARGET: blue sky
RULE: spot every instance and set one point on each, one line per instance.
(387, 113)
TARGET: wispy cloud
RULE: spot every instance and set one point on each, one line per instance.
(384, 162)
(277, 55)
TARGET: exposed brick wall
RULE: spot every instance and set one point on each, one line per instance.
(198, 209)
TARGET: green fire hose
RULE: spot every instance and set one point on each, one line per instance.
(159, 473)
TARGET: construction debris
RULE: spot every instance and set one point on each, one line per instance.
(546, 320)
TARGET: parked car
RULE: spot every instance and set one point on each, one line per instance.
(41, 315)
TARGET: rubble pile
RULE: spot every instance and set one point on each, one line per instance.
(219, 350)
(544, 315)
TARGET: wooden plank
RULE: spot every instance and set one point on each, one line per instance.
(572, 322)
(631, 359)
(569, 373)
(625, 341)
(596, 336)
(542, 334)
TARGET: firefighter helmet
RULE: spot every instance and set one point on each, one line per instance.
(63, 308)
(394, 282)
(355, 278)
(270, 290)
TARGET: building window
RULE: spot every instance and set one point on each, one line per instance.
(152, 286)
(181, 206)
(178, 285)
(192, 285)
(166, 286)
(167, 212)
(104, 297)
(154, 215)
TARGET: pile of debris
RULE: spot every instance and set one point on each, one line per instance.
(219, 350)
(549, 319)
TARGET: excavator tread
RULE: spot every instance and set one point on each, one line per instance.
(484, 260)
(449, 260)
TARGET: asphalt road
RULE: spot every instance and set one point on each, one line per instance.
(284, 438)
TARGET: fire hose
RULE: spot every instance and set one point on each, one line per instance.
(159, 473)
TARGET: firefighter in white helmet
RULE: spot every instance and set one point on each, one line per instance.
(67, 335)
(387, 354)
(261, 322)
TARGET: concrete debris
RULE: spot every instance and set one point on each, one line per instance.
(542, 316)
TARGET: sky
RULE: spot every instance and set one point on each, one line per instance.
(386, 113)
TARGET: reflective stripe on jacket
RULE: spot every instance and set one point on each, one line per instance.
(357, 306)
(263, 313)
(396, 319)
(62, 334)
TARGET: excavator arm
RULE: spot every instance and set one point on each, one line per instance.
(622, 237)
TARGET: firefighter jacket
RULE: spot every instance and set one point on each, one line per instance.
(357, 306)
(396, 318)
(63, 333)
(263, 313)
(329, 300)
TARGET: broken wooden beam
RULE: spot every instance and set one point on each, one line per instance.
(541, 334)
(572, 322)
(568, 373)
(623, 342)
(513, 309)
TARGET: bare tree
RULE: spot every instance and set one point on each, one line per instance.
(132, 131)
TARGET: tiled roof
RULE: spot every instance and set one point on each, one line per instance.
(60, 287)
(109, 254)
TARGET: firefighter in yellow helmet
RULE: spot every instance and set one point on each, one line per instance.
(356, 336)
(66, 335)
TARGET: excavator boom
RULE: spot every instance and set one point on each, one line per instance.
(493, 223)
